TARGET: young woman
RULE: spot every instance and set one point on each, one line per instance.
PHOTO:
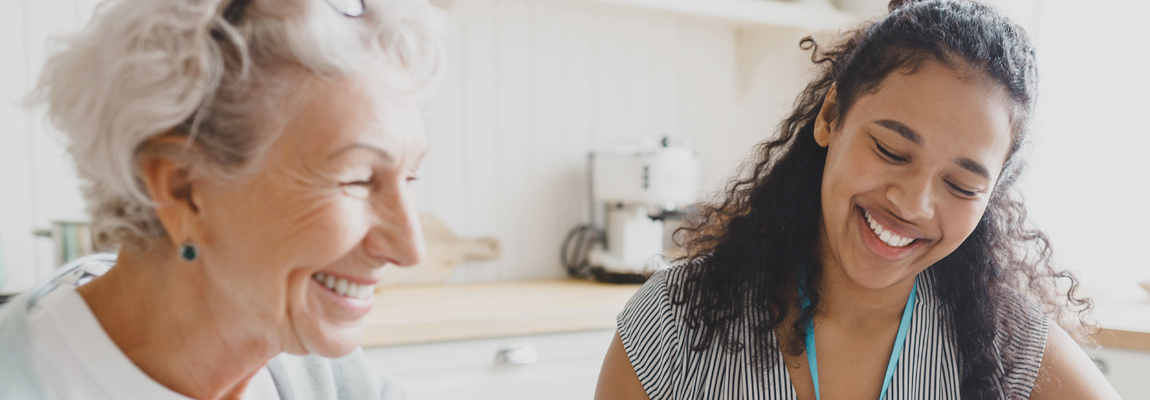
(876, 248)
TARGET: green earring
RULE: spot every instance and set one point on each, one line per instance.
(189, 252)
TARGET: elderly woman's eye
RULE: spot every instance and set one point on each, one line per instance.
(366, 181)
(360, 188)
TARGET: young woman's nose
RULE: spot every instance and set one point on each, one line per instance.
(397, 235)
(913, 198)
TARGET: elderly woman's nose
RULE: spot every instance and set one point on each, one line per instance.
(397, 236)
(913, 197)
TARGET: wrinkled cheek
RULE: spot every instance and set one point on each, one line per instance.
(329, 231)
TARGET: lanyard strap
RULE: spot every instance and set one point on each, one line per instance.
(899, 340)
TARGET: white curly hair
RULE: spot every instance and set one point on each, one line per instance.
(149, 68)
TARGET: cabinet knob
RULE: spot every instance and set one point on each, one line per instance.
(517, 355)
(1101, 364)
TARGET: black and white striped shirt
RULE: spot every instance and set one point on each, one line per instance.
(659, 345)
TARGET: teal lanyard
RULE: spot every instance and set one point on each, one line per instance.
(812, 360)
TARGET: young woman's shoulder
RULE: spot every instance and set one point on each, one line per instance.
(652, 313)
(672, 356)
(1022, 338)
(1047, 362)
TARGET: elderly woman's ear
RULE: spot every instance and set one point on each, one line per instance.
(170, 181)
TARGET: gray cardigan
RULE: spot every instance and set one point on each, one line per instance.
(296, 377)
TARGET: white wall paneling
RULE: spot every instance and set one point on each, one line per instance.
(536, 85)
(480, 112)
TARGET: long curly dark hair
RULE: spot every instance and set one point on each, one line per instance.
(747, 249)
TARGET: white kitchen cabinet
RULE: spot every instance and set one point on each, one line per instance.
(15, 162)
(1127, 370)
(556, 366)
(37, 180)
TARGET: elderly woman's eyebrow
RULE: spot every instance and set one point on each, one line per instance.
(357, 145)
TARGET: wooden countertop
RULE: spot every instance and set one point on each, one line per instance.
(422, 314)
(419, 314)
(1125, 321)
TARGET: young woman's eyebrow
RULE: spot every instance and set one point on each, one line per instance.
(902, 130)
(914, 137)
(973, 166)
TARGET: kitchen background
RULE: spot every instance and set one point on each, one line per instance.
(534, 85)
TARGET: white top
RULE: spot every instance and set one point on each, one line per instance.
(77, 360)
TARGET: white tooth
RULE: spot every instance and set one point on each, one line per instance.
(885, 236)
(341, 286)
(352, 290)
(365, 292)
(329, 281)
(905, 241)
(873, 224)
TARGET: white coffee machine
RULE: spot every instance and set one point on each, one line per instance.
(633, 190)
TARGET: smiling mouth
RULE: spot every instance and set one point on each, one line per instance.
(886, 235)
(343, 287)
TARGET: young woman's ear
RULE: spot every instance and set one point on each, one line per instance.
(169, 182)
(826, 118)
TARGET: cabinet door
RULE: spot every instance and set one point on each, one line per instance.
(55, 189)
(1127, 370)
(37, 180)
(555, 366)
(16, 221)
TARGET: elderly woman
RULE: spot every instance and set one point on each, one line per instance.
(251, 161)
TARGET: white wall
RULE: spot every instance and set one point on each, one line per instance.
(532, 87)
(1087, 187)
(535, 85)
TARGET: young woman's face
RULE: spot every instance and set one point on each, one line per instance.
(909, 172)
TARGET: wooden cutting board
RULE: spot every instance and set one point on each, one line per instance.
(445, 252)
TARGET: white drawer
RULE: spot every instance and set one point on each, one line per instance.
(558, 366)
(1127, 370)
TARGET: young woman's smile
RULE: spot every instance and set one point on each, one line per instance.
(886, 239)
